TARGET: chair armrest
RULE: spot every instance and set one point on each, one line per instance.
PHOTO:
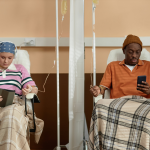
(107, 94)
(31, 96)
(33, 99)
(100, 96)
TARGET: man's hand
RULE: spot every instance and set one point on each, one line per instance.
(1, 98)
(95, 91)
(145, 88)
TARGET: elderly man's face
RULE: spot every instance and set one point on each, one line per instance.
(132, 53)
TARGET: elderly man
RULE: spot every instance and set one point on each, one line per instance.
(121, 77)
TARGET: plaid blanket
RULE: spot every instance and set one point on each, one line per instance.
(122, 123)
(14, 126)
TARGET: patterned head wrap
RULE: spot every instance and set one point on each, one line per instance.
(131, 39)
(8, 47)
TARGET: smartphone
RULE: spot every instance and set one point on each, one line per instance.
(140, 79)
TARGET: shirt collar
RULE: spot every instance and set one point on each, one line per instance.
(140, 63)
(11, 67)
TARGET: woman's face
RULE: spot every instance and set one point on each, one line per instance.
(6, 59)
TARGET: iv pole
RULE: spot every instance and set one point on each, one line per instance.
(58, 97)
(93, 49)
(57, 57)
(94, 61)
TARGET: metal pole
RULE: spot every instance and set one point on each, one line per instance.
(57, 58)
(93, 50)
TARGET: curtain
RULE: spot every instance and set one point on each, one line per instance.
(76, 75)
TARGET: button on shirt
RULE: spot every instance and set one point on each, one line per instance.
(122, 81)
(3, 73)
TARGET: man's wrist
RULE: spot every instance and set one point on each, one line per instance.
(101, 88)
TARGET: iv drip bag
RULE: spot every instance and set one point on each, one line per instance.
(63, 7)
(96, 2)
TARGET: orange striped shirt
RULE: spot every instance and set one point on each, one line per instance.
(121, 81)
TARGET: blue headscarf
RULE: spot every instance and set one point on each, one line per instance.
(7, 47)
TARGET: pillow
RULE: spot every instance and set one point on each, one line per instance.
(117, 55)
(22, 57)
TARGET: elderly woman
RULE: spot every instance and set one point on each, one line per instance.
(14, 124)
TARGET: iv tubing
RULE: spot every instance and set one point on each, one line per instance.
(93, 49)
(57, 60)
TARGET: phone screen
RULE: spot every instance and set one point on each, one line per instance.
(140, 79)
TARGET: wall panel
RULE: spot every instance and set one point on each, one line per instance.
(117, 18)
(42, 59)
(31, 18)
(47, 111)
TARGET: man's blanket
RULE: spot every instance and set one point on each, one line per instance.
(15, 125)
(122, 123)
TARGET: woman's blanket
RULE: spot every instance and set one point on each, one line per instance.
(15, 125)
(122, 123)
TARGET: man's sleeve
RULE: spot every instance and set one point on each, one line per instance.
(26, 78)
(107, 77)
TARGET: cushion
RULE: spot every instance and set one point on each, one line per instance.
(117, 55)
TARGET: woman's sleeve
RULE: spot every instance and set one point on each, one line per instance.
(26, 78)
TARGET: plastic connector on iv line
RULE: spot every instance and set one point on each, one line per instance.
(29, 41)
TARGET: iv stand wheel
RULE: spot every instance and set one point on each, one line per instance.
(59, 148)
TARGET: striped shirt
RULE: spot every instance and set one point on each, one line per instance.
(15, 77)
(122, 81)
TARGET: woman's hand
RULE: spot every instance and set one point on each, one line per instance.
(27, 90)
(1, 98)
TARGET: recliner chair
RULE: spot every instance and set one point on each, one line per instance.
(117, 55)
(22, 57)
